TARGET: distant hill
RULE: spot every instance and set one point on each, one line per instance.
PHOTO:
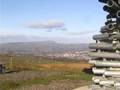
(42, 47)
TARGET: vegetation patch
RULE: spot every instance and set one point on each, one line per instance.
(36, 70)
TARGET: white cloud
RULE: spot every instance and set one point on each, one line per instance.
(48, 25)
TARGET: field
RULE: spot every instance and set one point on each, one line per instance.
(39, 73)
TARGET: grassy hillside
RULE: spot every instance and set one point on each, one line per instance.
(29, 70)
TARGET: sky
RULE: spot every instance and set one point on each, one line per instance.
(74, 21)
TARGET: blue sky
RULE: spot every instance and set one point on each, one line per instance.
(81, 18)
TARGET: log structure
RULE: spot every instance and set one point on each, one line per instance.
(105, 53)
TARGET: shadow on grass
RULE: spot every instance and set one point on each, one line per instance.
(10, 71)
(88, 71)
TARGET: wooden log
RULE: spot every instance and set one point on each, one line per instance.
(104, 55)
(112, 73)
(106, 82)
(117, 84)
(105, 63)
(98, 71)
(96, 79)
(113, 4)
(104, 29)
(103, 46)
(101, 37)
(109, 9)
(115, 36)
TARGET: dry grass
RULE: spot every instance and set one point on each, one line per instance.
(51, 66)
(38, 63)
(38, 71)
(69, 66)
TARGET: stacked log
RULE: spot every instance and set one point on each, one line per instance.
(105, 52)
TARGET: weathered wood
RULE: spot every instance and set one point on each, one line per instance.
(106, 52)
(115, 36)
(101, 36)
(113, 4)
(104, 29)
(98, 71)
(105, 63)
(105, 55)
(96, 79)
(107, 82)
(102, 46)
(112, 73)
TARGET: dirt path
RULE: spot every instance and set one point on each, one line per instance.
(83, 88)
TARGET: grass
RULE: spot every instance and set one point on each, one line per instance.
(62, 71)
(73, 75)
(7, 85)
